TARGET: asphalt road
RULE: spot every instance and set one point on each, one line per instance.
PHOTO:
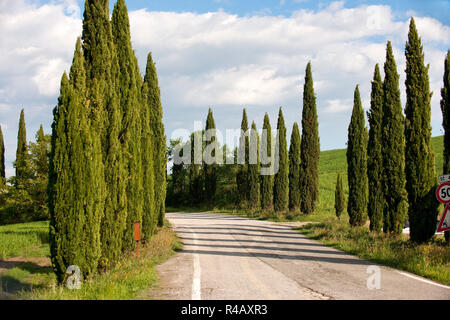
(228, 257)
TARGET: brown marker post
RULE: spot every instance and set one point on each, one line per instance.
(137, 237)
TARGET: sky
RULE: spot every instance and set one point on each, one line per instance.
(225, 55)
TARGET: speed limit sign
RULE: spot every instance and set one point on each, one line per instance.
(443, 192)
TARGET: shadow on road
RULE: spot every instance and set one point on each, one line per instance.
(280, 256)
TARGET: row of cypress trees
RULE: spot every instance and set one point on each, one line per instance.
(292, 183)
(391, 168)
(295, 184)
(107, 162)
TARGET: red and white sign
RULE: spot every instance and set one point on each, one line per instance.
(443, 193)
(445, 220)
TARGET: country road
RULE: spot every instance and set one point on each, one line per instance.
(228, 257)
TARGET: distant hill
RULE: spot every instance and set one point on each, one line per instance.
(334, 161)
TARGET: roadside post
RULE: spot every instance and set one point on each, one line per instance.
(137, 237)
(443, 196)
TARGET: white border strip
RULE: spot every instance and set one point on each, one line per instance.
(196, 284)
(424, 280)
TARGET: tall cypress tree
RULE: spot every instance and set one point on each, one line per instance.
(445, 108)
(243, 157)
(266, 162)
(310, 148)
(393, 142)
(39, 154)
(76, 183)
(102, 68)
(195, 171)
(357, 164)
(159, 139)
(128, 94)
(281, 183)
(374, 154)
(253, 170)
(294, 169)
(210, 169)
(2, 161)
(339, 197)
(419, 154)
(22, 163)
(115, 213)
(149, 216)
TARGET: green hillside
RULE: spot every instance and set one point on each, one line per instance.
(334, 161)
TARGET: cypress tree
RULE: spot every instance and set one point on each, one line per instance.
(115, 211)
(210, 169)
(374, 154)
(310, 148)
(22, 163)
(419, 154)
(393, 142)
(243, 159)
(294, 169)
(266, 162)
(102, 70)
(149, 217)
(128, 94)
(445, 108)
(159, 139)
(76, 183)
(339, 197)
(2, 161)
(195, 177)
(357, 164)
(253, 170)
(281, 183)
(39, 152)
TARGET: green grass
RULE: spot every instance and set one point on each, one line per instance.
(25, 277)
(24, 239)
(129, 279)
(430, 260)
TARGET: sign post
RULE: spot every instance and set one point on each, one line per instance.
(444, 225)
(443, 196)
(137, 237)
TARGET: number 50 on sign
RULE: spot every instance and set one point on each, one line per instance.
(443, 193)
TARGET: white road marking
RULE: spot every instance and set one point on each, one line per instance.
(196, 284)
(423, 280)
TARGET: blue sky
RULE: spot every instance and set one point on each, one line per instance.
(438, 9)
(226, 55)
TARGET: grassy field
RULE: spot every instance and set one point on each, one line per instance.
(25, 271)
(24, 239)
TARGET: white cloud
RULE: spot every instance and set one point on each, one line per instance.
(221, 59)
(431, 30)
(36, 46)
(336, 105)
